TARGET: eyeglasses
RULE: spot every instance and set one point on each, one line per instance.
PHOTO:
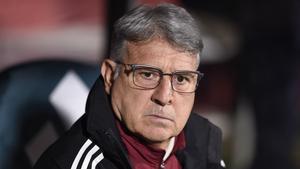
(149, 77)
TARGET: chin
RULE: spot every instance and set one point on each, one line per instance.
(157, 135)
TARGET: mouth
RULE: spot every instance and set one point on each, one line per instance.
(160, 117)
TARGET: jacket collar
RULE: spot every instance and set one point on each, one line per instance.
(99, 112)
(101, 127)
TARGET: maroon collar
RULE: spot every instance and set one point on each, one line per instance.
(143, 156)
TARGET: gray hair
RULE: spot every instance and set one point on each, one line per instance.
(168, 21)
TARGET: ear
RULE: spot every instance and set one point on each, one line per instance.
(107, 71)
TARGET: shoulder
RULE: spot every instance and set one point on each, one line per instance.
(63, 153)
(197, 123)
(203, 134)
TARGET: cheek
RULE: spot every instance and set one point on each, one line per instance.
(183, 108)
(132, 114)
(129, 103)
(136, 101)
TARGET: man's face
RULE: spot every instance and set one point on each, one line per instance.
(158, 114)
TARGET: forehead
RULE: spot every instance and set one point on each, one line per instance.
(160, 53)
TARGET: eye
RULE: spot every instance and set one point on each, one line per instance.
(182, 79)
(147, 74)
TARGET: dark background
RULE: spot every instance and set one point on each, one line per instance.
(251, 65)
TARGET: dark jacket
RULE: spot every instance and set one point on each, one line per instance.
(94, 141)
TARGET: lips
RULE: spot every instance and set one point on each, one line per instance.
(160, 117)
(160, 113)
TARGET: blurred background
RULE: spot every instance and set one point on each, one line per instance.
(50, 51)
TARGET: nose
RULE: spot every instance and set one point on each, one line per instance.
(163, 94)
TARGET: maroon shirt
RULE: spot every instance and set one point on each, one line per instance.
(142, 156)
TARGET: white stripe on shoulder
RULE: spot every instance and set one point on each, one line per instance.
(80, 153)
(88, 157)
(223, 164)
(97, 160)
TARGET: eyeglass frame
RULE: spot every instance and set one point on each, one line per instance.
(134, 67)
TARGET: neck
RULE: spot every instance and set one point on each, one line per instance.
(159, 145)
(151, 154)
(166, 146)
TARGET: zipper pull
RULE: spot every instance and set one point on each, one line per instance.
(162, 165)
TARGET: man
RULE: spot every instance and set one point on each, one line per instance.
(138, 114)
